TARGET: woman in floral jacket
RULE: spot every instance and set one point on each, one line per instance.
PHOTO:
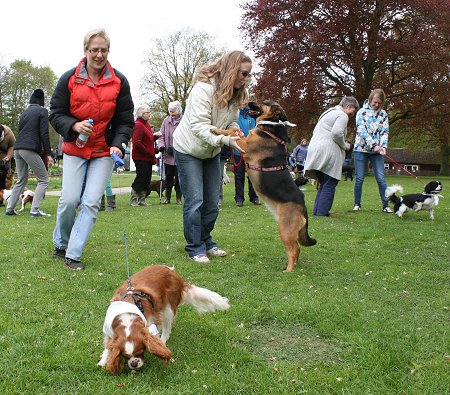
(372, 129)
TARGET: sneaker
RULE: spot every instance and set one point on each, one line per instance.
(256, 202)
(39, 213)
(59, 253)
(388, 210)
(73, 264)
(11, 212)
(239, 204)
(357, 207)
(200, 258)
(216, 251)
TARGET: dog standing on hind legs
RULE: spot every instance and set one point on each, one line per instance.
(266, 158)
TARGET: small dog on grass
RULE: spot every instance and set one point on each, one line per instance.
(144, 306)
(25, 197)
(426, 200)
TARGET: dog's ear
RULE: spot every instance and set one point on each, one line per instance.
(115, 364)
(156, 347)
(430, 187)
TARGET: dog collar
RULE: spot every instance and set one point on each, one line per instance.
(265, 169)
(284, 123)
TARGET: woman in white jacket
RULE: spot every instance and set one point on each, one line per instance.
(213, 104)
(326, 152)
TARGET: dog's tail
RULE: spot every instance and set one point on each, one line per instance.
(391, 191)
(204, 300)
(304, 238)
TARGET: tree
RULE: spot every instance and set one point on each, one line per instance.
(312, 53)
(17, 83)
(171, 66)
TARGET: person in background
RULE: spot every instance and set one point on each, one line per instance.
(246, 123)
(143, 155)
(371, 141)
(7, 140)
(213, 104)
(299, 155)
(326, 152)
(165, 146)
(224, 157)
(347, 166)
(33, 138)
(91, 91)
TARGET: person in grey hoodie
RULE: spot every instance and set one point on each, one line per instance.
(32, 140)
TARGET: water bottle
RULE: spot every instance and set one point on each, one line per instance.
(82, 139)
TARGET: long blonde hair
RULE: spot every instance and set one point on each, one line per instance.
(223, 73)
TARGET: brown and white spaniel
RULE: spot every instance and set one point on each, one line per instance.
(142, 307)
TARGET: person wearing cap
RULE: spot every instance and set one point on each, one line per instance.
(92, 99)
(33, 138)
(165, 146)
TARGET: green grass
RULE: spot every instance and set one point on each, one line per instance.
(365, 311)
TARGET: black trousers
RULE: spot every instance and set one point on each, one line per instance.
(172, 177)
(143, 176)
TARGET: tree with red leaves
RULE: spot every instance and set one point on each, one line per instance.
(313, 52)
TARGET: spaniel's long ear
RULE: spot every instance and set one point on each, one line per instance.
(115, 364)
(155, 346)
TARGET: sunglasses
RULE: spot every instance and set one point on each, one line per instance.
(245, 73)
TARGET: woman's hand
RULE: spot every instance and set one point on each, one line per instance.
(83, 127)
(116, 151)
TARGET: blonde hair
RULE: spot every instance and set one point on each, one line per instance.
(223, 73)
(380, 93)
(91, 34)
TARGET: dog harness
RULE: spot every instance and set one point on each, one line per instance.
(275, 138)
(117, 308)
(136, 295)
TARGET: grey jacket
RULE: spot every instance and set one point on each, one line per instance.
(326, 149)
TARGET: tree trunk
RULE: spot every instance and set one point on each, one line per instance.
(445, 151)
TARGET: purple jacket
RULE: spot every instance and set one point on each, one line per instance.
(166, 140)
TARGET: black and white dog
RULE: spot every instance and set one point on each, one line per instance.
(426, 200)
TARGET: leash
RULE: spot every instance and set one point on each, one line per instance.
(401, 167)
(135, 295)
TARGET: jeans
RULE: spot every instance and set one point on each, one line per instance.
(239, 181)
(325, 194)
(361, 160)
(83, 184)
(24, 159)
(200, 185)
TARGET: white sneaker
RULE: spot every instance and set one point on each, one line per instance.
(200, 258)
(388, 210)
(357, 207)
(216, 251)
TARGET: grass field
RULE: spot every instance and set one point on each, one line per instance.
(365, 311)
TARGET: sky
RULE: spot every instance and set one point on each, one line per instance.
(50, 32)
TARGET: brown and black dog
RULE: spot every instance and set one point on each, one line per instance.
(266, 158)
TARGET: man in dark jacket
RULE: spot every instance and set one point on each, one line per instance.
(33, 138)
(93, 100)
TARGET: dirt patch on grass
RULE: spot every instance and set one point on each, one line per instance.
(295, 343)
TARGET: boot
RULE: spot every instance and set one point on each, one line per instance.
(141, 199)
(111, 200)
(168, 195)
(102, 204)
(134, 198)
(179, 196)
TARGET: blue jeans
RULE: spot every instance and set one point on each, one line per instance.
(361, 159)
(200, 185)
(83, 184)
(325, 194)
